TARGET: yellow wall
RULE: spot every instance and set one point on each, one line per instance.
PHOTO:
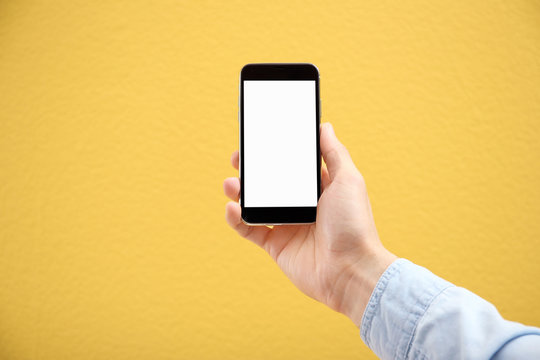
(117, 120)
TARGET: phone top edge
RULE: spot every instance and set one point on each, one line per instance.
(284, 64)
(280, 64)
(307, 71)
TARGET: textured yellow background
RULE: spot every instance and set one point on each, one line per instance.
(117, 120)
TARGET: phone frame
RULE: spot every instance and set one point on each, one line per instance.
(279, 71)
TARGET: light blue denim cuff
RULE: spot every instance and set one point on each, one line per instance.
(400, 299)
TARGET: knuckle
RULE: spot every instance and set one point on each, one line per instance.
(332, 155)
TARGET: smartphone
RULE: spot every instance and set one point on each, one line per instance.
(280, 161)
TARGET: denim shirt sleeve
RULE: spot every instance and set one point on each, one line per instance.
(413, 314)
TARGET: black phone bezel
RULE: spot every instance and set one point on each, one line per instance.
(279, 71)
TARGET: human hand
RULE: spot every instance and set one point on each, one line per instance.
(339, 259)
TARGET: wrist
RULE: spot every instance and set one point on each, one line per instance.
(362, 277)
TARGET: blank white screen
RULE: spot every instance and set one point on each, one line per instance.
(280, 156)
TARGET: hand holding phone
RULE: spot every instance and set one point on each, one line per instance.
(337, 260)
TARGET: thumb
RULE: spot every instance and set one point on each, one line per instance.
(335, 154)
